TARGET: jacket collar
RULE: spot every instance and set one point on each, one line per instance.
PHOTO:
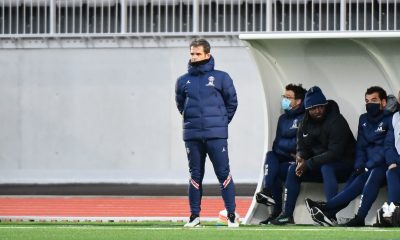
(295, 112)
(201, 69)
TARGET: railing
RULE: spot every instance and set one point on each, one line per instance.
(185, 17)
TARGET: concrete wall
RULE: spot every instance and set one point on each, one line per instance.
(109, 115)
(343, 68)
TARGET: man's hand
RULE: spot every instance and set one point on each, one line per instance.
(393, 165)
(301, 166)
(299, 159)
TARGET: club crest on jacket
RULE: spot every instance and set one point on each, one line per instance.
(210, 81)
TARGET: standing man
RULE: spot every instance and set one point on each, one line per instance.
(206, 99)
(283, 153)
(325, 151)
(369, 167)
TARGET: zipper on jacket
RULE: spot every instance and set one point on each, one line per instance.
(201, 104)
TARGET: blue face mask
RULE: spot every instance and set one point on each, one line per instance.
(373, 109)
(285, 104)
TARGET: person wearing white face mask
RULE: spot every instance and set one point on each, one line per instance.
(283, 150)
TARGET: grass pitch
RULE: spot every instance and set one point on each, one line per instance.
(175, 231)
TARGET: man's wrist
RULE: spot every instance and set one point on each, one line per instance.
(309, 163)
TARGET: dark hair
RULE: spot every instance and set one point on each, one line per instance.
(377, 89)
(201, 42)
(299, 91)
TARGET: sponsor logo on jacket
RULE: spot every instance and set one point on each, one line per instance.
(380, 128)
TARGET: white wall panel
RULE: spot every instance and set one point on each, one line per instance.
(109, 115)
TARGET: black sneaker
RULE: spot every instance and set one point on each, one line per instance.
(310, 204)
(355, 222)
(282, 219)
(321, 218)
(265, 198)
(270, 218)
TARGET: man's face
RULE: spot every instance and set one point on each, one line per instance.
(289, 94)
(317, 112)
(374, 98)
(198, 54)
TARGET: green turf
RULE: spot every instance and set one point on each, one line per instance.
(168, 230)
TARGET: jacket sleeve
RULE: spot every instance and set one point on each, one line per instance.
(179, 96)
(277, 136)
(377, 159)
(300, 147)
(361, 156)
(391, 154)
(230, 98)
(338, 135)
(276, 147)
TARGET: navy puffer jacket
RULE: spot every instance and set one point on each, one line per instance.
(370, 150)
(285, 138)
(207, 100)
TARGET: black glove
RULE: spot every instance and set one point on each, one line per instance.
(359, 171)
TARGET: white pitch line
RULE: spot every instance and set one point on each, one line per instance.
(220, 228)
(100, 219)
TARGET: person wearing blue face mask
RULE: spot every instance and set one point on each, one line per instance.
(369, 167)
(324, 151)
(283, 150)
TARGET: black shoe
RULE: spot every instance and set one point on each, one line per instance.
(355, 222)
(321, 218)
(269, 219)
(282, 219)
(310, 204)
(265, 198)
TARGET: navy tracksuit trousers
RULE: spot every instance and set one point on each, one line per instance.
(275, 171)
(217, 151)
(367, 184)
(327, 173)
(393, 183)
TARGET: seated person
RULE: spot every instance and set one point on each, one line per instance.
(370, 166)
(392, 154)
(392, 104)
(325, 151)
(283, 151)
